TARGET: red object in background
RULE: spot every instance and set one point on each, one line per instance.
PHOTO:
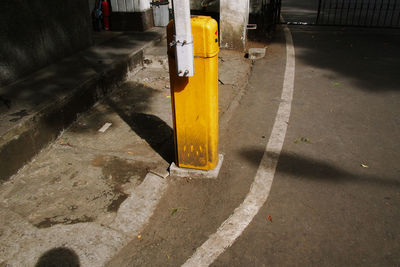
(106, 14)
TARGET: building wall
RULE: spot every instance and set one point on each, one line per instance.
(234, 17)
(131, 15)
(36, 33)
(130, 5)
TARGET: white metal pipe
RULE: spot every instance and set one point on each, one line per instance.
(183, 40)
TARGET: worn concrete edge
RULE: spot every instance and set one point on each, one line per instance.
(94, 243)
(226, 116)
(134, 213)
(86, 239)
(32, 135)
(131, 218)
(176, 171)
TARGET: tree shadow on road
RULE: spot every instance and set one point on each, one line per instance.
(303, 167)
(364, 58)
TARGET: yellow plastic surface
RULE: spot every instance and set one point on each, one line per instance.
(195, 99)
(205, 41)
(205, 36)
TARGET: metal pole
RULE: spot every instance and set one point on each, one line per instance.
(183, 40)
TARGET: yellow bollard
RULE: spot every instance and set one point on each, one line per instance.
(195, 99)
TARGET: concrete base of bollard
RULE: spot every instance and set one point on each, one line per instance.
(175, 171)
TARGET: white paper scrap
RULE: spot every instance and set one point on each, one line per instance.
(105, 127)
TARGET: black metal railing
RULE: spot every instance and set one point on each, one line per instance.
(275, 7)
(363, 13)
(265, 18)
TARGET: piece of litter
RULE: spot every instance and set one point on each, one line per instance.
(270, 218)
(173, 211)
(336, 84)
(105, 127)
(139, 236)
(130, 152)
(168, 96)
(305, 139)
(364, 165)
(256, 53)
(162, 174)
(302, 139)
(64, 143)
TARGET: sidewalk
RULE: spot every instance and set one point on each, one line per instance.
(37, 108)
(92, 192)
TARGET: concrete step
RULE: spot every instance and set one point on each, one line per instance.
(37, 108)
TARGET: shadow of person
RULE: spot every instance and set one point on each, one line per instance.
(58, 257)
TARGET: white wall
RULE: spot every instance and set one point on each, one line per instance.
(234, 17)
(130, 5)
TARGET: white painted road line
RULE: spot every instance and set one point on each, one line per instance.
(233, 227)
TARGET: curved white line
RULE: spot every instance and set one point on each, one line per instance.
(232, 228)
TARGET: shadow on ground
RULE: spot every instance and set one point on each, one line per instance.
(131, 102)
(299, 11)
(132, 107)
(314, 169)
(60, 257)
(53, 80)
(367, 57)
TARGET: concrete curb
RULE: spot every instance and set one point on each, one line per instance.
(137, 209)
(24, 140)
(227, 115)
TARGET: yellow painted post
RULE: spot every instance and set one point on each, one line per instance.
(195, 99)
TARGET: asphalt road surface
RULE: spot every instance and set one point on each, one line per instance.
(335, 196)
